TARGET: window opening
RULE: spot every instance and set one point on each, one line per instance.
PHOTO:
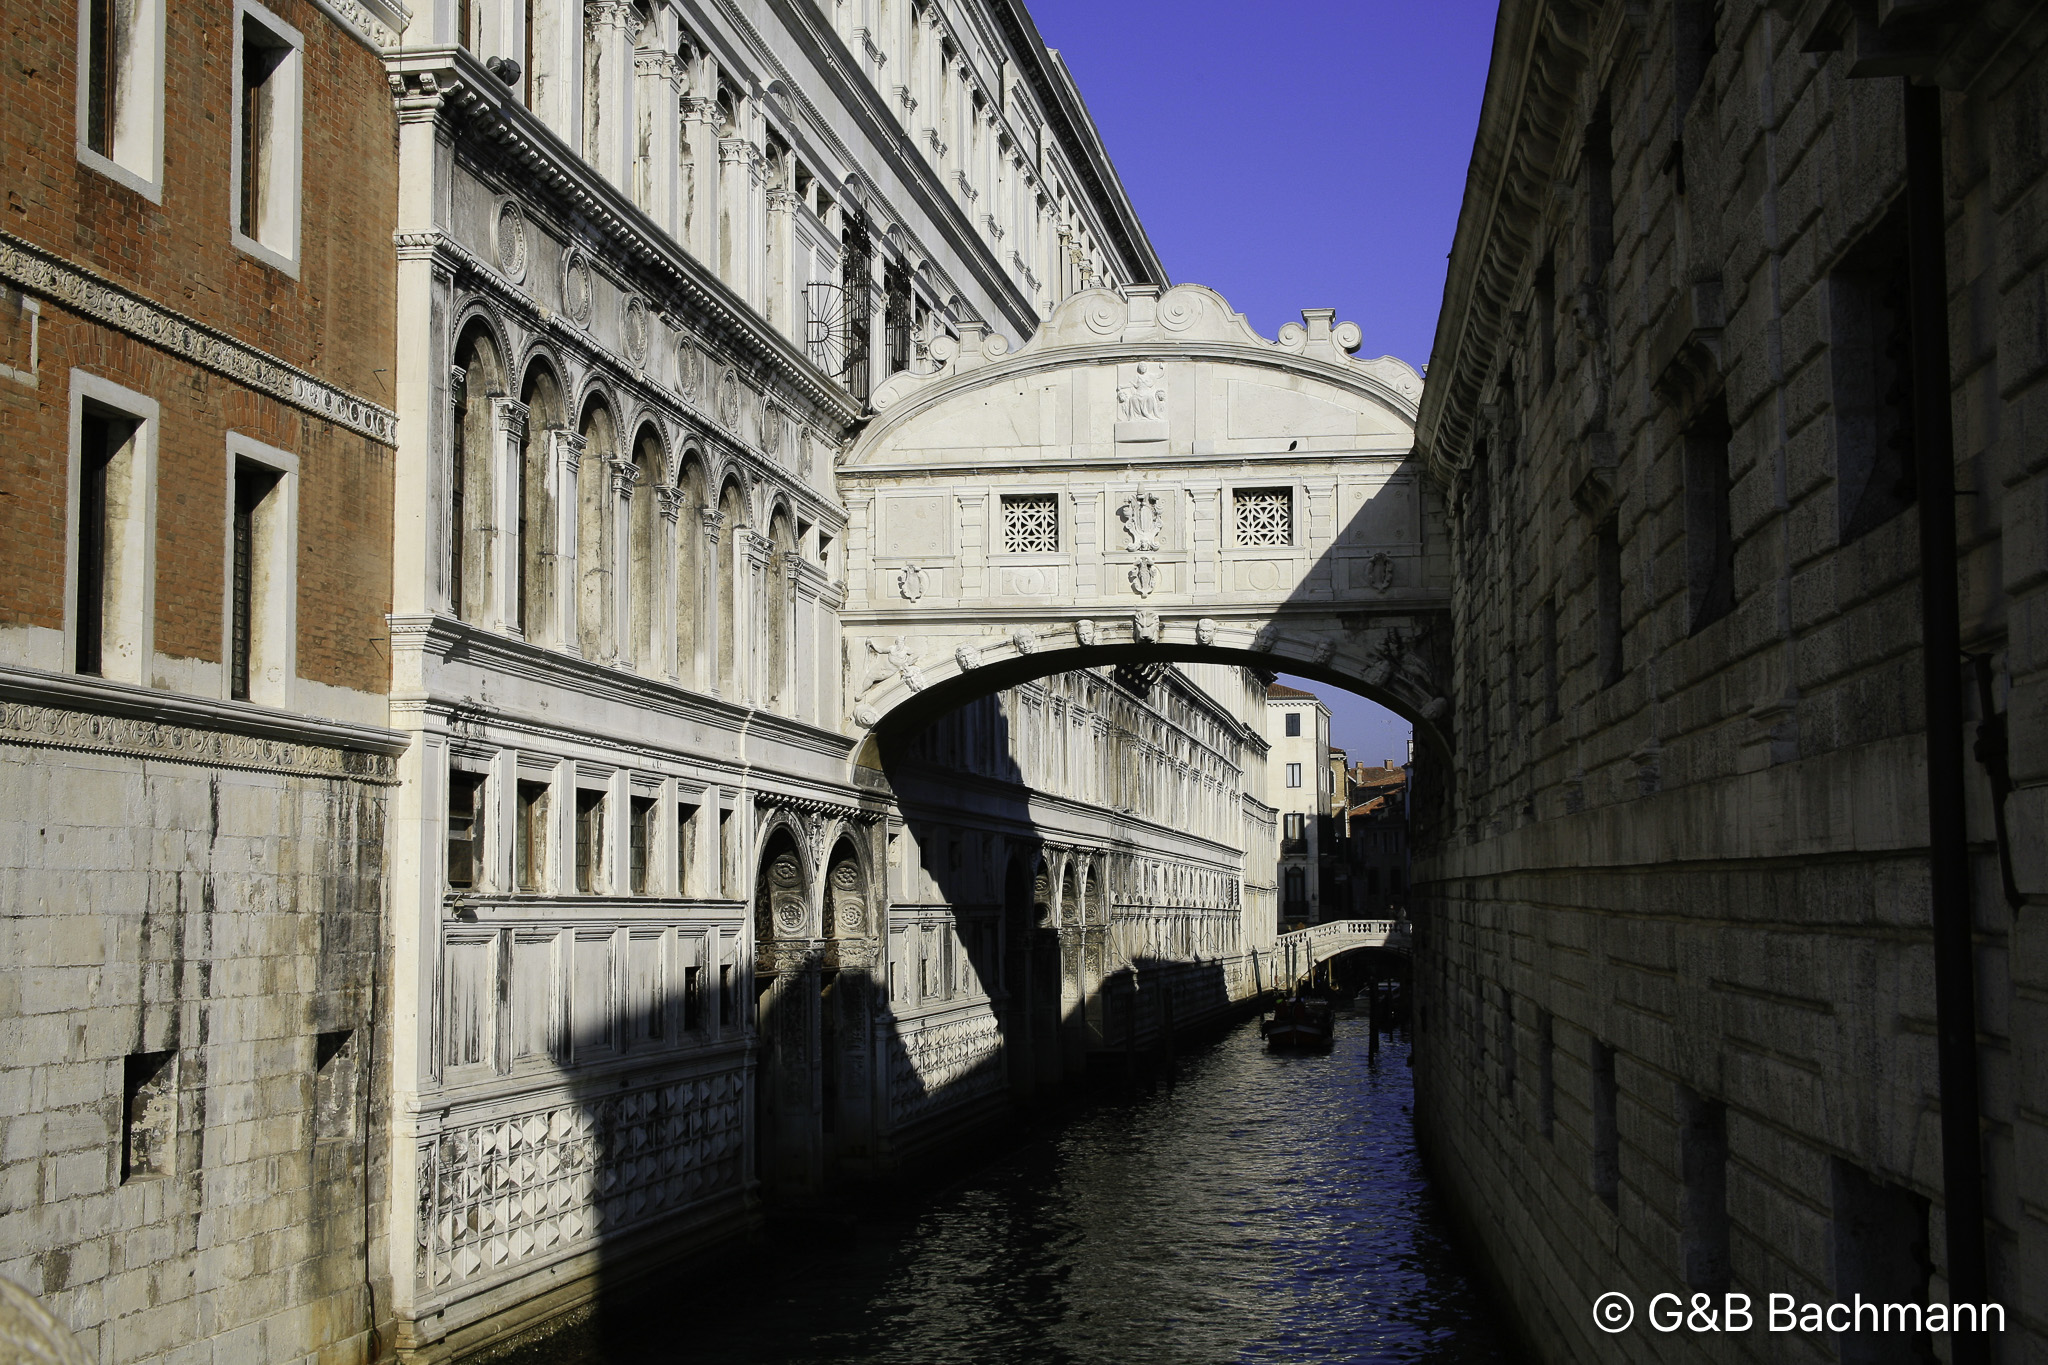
(589, 838)
(101, 88)
(1031, 523)
(253, 484)
(530, 839)
(1606, 1134)
(102, 437)
(1703, 1167)
(149, 1110)
(465, 829)
(1265, 516)
(334, 1084)
(639, 839)
(263, 58)
(1709, 537)
(1607, 576)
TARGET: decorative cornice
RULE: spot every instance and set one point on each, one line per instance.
(1540, 49)
(36, 271)
(466, 93)
(685, 407)
(377, 24)
(444, 637)
(65, 711)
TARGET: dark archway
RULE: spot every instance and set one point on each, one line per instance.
(787, 1098)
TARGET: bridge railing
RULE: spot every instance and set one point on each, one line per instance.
(1394, 932)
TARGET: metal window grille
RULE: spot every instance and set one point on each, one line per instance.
(1031, 523)
(1265, 516)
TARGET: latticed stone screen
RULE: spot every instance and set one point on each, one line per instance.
(1031, 523)
(1265, 516)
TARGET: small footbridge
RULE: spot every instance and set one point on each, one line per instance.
(1299, 952)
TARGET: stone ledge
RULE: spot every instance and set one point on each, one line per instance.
(59, 710)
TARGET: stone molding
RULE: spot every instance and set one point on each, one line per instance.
(451, 85)
(443, 637)
(37, 272)
(1189, 320)
(681, 407)
(61, 711)
(377, 24)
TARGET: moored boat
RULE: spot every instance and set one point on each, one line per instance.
(1300, 1023)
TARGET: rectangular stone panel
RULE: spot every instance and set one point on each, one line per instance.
(1377, 513)
(1263, 575)
(533, 993)
(1029, 580)
(914, 526)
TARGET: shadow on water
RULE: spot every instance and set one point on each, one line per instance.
(1260, 1208)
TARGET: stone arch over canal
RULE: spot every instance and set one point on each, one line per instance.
(1146, 480)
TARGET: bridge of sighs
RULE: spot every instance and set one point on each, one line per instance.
(1146, 479)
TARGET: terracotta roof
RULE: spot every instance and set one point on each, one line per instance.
(1286, 693)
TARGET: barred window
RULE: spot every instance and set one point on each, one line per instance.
(1265, 516)
(1031, 523)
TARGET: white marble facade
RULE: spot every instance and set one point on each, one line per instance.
(657, 927)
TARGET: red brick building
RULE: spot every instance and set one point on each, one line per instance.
(196, 330)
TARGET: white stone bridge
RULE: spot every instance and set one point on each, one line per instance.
(1146, 479)
(1298, 952)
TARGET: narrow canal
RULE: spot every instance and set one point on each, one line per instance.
(1261, 1208)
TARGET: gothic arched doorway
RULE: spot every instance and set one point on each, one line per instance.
(787, 1101)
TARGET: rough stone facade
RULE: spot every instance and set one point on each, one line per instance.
(1674, 951)
(194, 968)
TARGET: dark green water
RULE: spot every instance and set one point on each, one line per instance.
(1261, 1208)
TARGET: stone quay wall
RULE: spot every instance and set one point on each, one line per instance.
(1674, 948)
(190, 1049)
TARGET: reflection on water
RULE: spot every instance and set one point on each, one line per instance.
(1261, 1209)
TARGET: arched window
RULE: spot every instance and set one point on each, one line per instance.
(690, 571)
(478, 378)
(544, 416)
(733, 514)
(781, 614)
(594, 549)
(643, 586)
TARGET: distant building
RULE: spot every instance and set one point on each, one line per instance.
(1299, 787)
(1375, 840)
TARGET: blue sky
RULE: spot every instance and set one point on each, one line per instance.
(1300, 154)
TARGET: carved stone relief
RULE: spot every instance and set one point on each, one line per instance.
(1142, 524)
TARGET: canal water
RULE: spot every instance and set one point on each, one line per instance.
(1259, 1208)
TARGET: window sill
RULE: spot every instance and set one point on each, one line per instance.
(152, 190)
(270, 256)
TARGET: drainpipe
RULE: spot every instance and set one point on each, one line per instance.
(1955, 991)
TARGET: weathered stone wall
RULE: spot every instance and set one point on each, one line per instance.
(190, 1043)
(1674, 951)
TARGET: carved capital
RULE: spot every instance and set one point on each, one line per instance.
(624, 476)
(714, 523)
(671, 499)
(570, 447)
(511, 415)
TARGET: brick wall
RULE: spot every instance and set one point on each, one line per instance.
(336, 320)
